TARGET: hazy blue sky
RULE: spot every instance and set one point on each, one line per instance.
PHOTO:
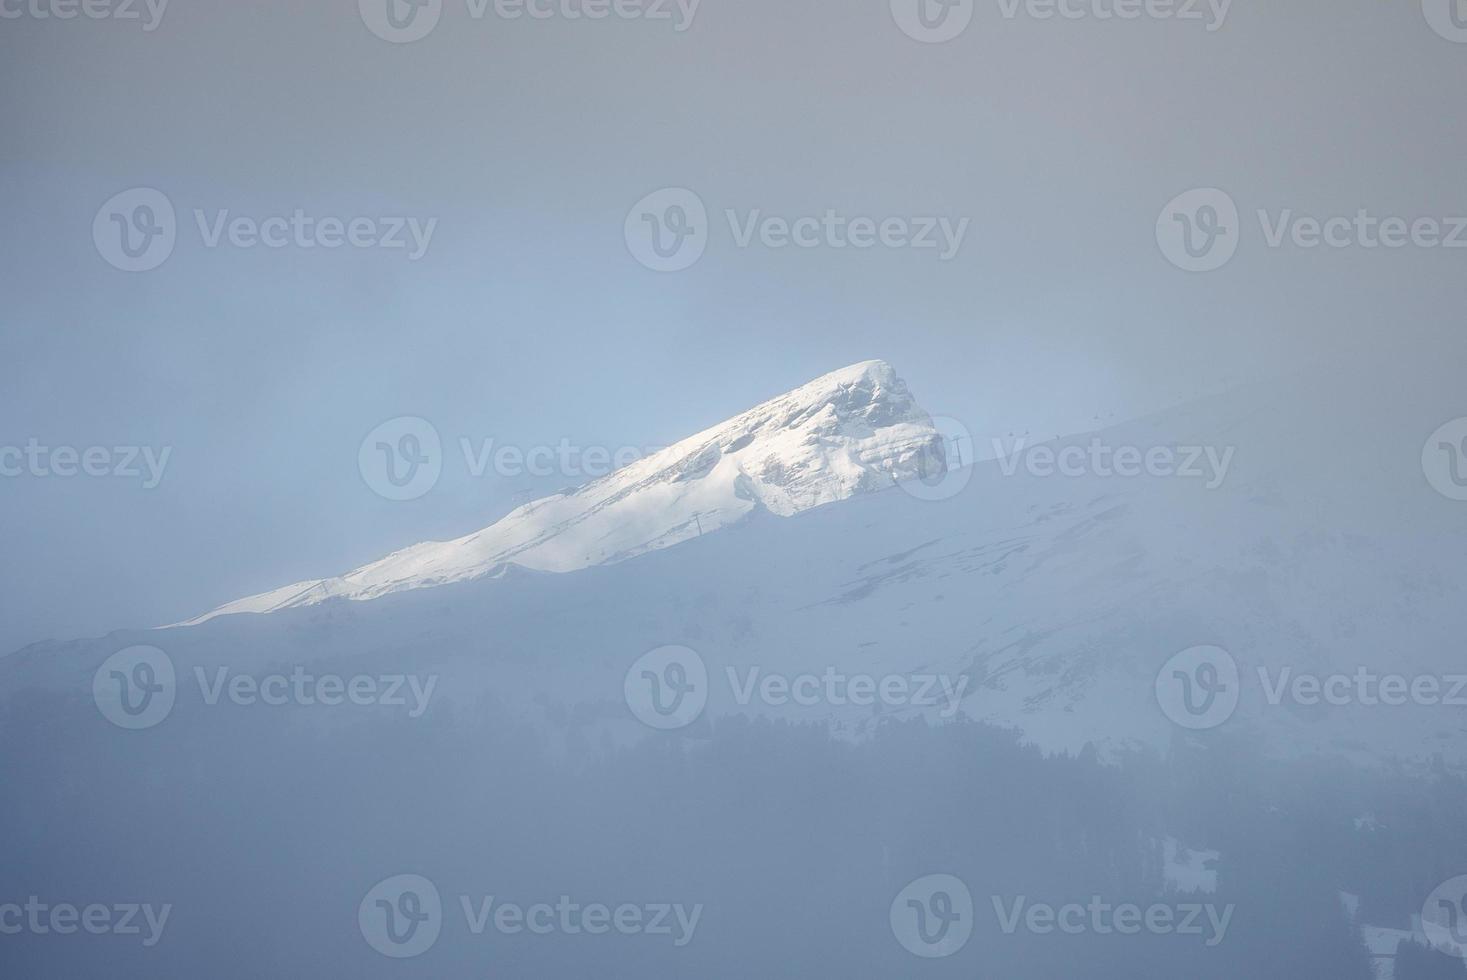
(529, 321)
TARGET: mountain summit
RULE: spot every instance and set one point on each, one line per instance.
(851, 431)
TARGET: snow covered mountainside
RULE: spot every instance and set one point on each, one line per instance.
(523, 733)
(1047, 592)
(851, 431)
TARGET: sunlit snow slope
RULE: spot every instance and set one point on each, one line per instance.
(851, 431)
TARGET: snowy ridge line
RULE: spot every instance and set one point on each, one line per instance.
(852, 431)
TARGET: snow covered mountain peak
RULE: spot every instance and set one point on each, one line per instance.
(852, 431)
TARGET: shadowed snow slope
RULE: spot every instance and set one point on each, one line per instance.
(850, 431)
(1053, 600)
